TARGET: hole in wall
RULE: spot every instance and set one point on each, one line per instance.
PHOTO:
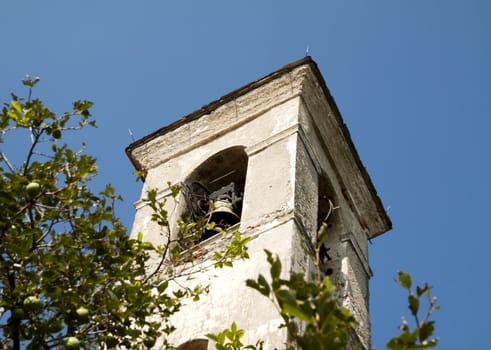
(215, 189)
(194, 344)
(326, 215)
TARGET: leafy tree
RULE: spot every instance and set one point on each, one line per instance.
(70, 276)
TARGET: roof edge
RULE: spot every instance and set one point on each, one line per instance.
(347, 136)
(206, 109)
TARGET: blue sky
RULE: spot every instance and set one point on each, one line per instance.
(412, 80)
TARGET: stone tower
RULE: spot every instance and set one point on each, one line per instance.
(276, 157)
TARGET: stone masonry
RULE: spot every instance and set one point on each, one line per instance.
(282, 139)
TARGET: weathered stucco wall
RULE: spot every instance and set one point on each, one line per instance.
(297, 149)
(230, 300)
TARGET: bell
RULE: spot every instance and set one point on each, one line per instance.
(223, 214)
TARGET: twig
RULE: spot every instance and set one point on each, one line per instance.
(5, 159)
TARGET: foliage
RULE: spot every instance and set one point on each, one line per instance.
(230, 339)
(315, 320)
(421, 336)
(310, 310)
(70, 276)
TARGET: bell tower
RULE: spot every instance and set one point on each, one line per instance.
(272, 159)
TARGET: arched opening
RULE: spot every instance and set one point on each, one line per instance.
(327, 201)
(215, 189)
(326, 214)
(194, 344)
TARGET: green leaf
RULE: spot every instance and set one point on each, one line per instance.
(17, 106)
(175, 189)
(30, 82)
(423, 290)
(147, 246)
(413, 303)
(16, 111)
(276, 268)
(263, 285)
(426, 330)
(163, 286)
(321, 235)
(327, 284)
(295, 311)
(404, 279)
